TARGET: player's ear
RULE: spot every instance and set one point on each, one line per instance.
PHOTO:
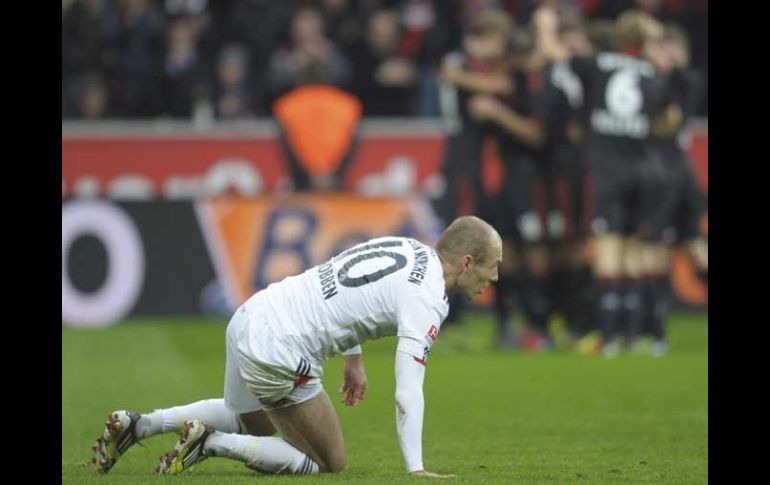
(466, 262)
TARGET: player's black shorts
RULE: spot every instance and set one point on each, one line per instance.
(459, 167)
(623, 192)
(688, 211)
(678, 205)
(566, 185)
(518, 209)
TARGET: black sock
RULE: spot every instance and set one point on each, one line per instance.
(632, 310)
(587, 302)
(503, 306)
(536, 303)
(660, 296)
(608, 306)
(568, 287)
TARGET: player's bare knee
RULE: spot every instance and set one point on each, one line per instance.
(337, 465)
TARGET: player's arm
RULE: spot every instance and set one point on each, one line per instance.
(354, 383)
(529, 130)
(410, 402)
(410, 406)
(497, 84)
(452, 72)
(548, 47)
(417, 330)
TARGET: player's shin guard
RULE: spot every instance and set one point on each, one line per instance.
(212, 411)
(265, 454)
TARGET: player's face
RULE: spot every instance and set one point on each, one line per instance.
(477, 275)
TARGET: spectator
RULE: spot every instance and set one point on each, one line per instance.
(89, 97)
(82, 47)
(384, 80)
(135, 58)
(343, 24)
(231, 95)
(308, 47)
(183, 70)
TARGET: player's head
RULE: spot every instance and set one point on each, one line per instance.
(636, 31)
(676, 44)
(487, 36)
(601, 34)
(471, 252)
(572, 33)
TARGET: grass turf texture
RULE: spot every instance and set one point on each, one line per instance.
(491, 417)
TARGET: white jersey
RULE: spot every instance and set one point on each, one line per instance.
(383, 287)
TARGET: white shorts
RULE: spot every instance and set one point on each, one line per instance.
(262, 374)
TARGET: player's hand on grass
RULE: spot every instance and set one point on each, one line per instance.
(353, 387)
(424, 473)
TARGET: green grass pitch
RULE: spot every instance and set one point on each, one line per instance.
(491, 417)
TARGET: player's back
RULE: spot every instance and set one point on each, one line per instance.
(561, 106)
(624, 94)
(353, 297)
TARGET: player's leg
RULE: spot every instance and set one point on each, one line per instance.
(607, 271)
(530, 205)
(311, 440)
(313, 427)
(692, 212)
(633, 271)
(570, 273)
(274, 379)
(459, 163)
(657, 299)
(505, 289)
(124, 428)
(493, 191)
(607, 243)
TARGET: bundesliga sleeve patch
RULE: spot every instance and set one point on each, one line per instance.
(433, 333)
(430, 337)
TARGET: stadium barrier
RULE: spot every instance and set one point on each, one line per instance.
(140, 258)
(145, 230)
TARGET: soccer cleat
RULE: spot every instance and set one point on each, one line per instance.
(188, 451)
(590, 344)
(118, 436)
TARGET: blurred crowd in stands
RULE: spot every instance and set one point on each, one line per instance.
(231, 59)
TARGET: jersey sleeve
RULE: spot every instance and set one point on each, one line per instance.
(584, 67)
(418, 325)
(410, 408)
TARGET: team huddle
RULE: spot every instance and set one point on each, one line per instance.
(583, 122)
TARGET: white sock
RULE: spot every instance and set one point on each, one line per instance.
(266, 454)
(212, 411)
